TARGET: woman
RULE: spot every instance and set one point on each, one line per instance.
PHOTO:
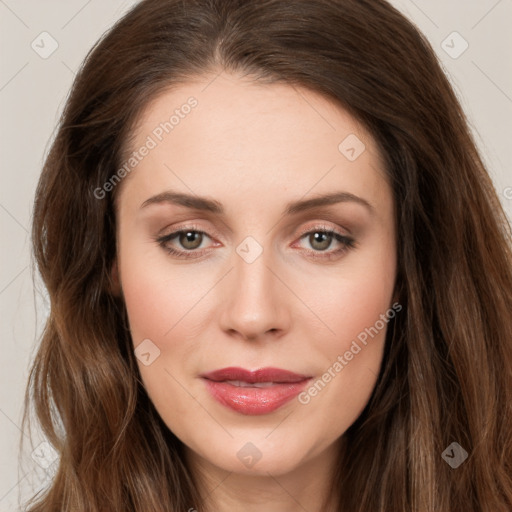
(280, 276)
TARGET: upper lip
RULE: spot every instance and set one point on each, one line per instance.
(260, 375)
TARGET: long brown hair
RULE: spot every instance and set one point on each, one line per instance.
(447, 370)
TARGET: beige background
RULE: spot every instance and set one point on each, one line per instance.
(32, 93)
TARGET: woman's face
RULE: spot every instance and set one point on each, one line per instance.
(255, 174)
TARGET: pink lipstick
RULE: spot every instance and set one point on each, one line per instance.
(254, 392)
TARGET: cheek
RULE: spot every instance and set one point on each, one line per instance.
(352, 303)
(158, 297)
(357, 306)
(357, 314)
(357, 309)
(150, 306)
(168, 308)
(163, 320)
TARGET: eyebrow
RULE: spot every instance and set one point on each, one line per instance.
(294, 207)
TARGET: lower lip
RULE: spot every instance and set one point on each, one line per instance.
(247, 400)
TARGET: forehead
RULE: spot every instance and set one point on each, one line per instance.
(224, 134)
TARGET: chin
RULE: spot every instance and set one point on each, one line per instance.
(259, 457)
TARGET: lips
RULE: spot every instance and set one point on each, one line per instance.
(262, 375)
(254, 392)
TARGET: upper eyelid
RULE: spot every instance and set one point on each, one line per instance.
(191, 227)
(320, 226)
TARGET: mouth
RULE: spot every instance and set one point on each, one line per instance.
(254, 392)
(242, 384)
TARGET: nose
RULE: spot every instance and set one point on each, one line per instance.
(257, 302)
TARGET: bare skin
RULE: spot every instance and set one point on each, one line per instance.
(298, 305)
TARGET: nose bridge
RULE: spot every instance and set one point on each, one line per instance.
(251, 269)
(255, 303)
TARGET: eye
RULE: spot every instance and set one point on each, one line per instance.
(189, 238)
(320, 238)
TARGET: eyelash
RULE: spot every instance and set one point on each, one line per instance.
(346, 241)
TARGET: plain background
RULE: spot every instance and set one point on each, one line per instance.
(32, 93)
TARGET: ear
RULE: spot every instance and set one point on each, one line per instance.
(115, 282)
